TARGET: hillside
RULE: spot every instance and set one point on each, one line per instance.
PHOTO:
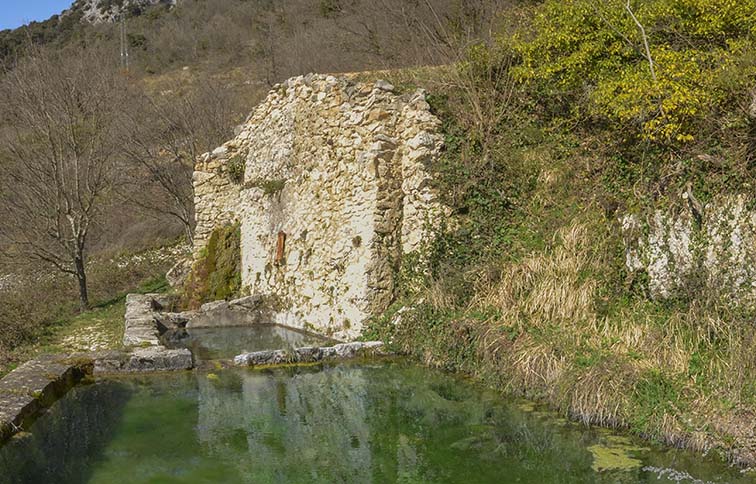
(273, 40)
(598, 167)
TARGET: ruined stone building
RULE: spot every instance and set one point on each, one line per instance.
(327, 179)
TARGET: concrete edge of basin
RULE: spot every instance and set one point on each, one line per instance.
(340, 351)
(29, 389)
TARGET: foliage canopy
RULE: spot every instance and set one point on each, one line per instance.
(595, 53)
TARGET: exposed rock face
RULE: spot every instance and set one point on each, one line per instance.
(684, 256)
(100, 11)
(327, 179)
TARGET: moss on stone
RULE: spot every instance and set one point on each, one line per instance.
(216, 274)
(269, 187)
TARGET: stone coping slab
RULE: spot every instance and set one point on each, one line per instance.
(35, 385)
(140, 321)
(142, 360)
(310, 354)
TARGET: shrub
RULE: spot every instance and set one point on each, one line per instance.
(269, 187)
(594, 55)
(235, 167)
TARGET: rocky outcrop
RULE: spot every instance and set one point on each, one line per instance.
(327, 179)
(101, 11)
(684, 252)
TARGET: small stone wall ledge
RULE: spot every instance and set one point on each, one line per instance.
(35, 385)
(143, 360)
(310, 354)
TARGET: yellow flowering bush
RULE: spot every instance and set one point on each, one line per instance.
(659, 66)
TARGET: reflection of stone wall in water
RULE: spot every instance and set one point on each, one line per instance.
(290, 420)
(690, 253)
(328, 180)
(369, 425)
(66, 439)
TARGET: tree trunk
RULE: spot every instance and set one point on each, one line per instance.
(189, 234)
(81, 277)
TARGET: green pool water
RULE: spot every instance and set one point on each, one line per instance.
(389, 422)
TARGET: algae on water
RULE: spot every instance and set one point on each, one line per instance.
(615, 453)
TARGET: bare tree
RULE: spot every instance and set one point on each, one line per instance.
(162, 137)
(61, 151)
(475, 66)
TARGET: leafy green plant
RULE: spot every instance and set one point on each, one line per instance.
(268, 186)
(235, 168)
(659, 67)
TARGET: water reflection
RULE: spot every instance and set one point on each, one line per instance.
(68, 440)
(357, 424)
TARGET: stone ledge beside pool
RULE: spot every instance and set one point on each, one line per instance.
(37, 384)
(140, 360)
(310, 354)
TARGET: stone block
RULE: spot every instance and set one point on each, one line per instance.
(36, 384)
(310, 354)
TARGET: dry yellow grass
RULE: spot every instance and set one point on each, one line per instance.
(548, 339)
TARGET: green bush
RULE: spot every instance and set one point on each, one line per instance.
(589, 59)
(235, 167)
(269, 187)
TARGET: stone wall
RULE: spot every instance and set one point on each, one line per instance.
(704, 254)
(334, 191)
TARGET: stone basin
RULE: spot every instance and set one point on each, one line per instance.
(224, 343)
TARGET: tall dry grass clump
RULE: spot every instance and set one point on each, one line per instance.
(665, 372)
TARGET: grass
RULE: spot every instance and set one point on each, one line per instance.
(663, 372)
(532, 297)
(100, 328)
(42, 317)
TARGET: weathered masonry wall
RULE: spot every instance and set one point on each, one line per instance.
(328, 181)
(687, 253)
